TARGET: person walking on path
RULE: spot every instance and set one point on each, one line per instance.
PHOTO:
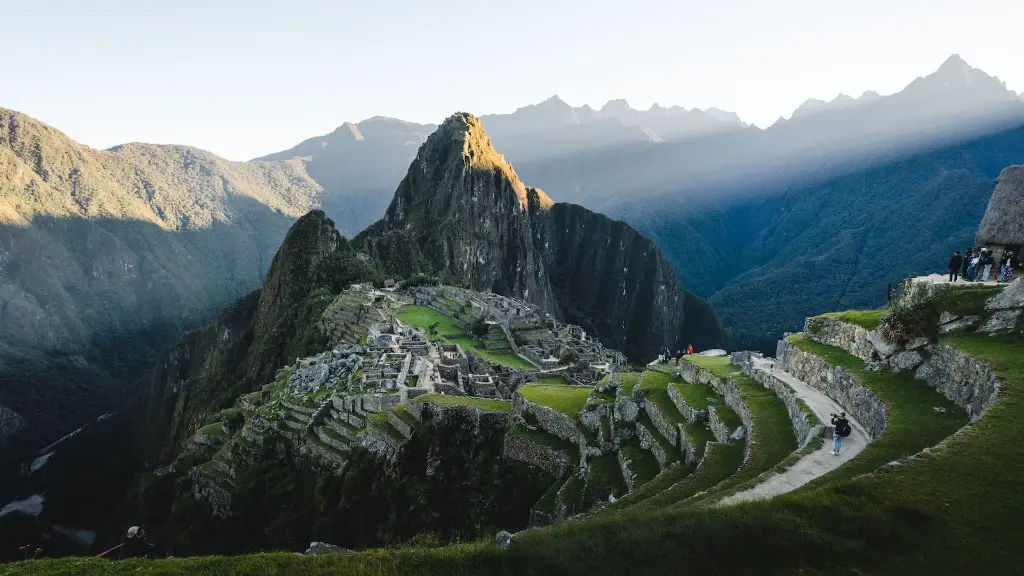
(956, 261)
(1006, 267)
(840, 429)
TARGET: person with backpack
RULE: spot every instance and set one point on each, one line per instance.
(840, 429)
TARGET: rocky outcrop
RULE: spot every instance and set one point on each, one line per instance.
(832, 332)
(10, 424)
(1011, 297)
(837, 383)
(967, 382)
(462, 213)
(1003, 222)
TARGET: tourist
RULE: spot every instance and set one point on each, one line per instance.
(965, 263)
(955, 262)
(136, 544)
(1006, 267)
(689, 349)
(972, 269)
(840, 430)
(986, 263)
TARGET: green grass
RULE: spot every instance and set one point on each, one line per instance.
(572, 494)
(402, 411)
(460, 559)
(487, 404)
(551, 380)
(672, 451)
(568, 400)
(867, 319)
(423, 317)
(728, 416)
(720, 366)
(448, 331)
(698, 434)
(968, 301)
(722, 461)
(643, 464)
(656, 386)
(605, 473)
(771, 439)
(672, 474)
(550, 496)
(629, 382)
(913, 423)
(695, 395)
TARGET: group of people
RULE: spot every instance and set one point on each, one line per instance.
(976, 264)
(666, 354)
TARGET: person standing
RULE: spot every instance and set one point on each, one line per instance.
(840, 429)
(965, 263)
(956, 261)
(1006, 267)
(986, 262)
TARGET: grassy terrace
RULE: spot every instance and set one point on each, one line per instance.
(696, 395)
(568, 400)
(699, 435)
(215, 429)
(551, 380)
(447, 330)
(605, 472)
(771, 438)
(487, 404)
(629, 382)
(656, 385)
(672, 474)
(867, 319)
(914, 424)
(722, 461)
(672, 451)
(643, 464)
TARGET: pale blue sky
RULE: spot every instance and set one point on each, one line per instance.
(246, 78)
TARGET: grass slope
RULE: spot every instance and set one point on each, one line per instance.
(568, 400)
(423, 317)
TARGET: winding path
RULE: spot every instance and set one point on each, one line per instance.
(815, 464)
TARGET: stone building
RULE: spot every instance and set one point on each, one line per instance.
(1002, 228)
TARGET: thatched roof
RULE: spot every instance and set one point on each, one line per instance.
(1004, 220)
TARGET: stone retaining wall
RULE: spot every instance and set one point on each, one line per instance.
(691, 414)
(686, 445)
(670, 432)
(401, 425)
(966, 381)
(525, 450)
(550, 420)
(836, 383)
(803, 429)
(627, 475)
(832, 332)
(651, 444)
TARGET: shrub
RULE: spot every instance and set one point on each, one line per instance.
(914, 314)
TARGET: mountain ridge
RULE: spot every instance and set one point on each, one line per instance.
(462, 213)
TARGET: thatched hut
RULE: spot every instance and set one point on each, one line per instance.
(1002, 228)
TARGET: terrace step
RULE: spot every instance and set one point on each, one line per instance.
(815, 464)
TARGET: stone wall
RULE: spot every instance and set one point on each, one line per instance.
(670, 432)
(845, 335)
(967, 382)
(551, 421)
(401, 425)
(803, 428)
(837, 383)
(691, 414)
(525, 450)
(651, 444)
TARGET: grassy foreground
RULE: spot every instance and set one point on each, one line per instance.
(953, 509)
